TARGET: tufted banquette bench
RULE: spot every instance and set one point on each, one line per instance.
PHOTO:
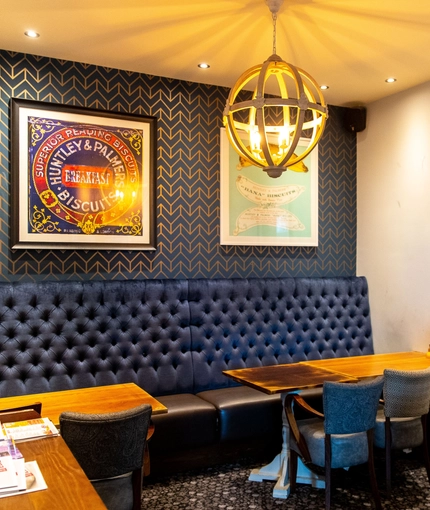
(174, 338)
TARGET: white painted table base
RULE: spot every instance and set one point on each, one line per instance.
(278, 469)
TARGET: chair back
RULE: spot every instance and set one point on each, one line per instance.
(406, 393)
(350, 408)
(107, 445)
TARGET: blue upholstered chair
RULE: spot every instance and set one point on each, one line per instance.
(402, 422)
(110, 448)
(339, 438)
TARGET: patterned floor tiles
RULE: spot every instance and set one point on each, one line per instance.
(228, 488)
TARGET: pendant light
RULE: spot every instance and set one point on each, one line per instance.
(286, 107)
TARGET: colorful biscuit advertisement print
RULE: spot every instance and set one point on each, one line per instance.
(88, 178)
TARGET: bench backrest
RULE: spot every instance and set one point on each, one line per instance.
(56, 336)
(172, 336)
(243, 323)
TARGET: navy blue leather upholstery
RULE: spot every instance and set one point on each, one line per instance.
(176, 337)
(56, 336)
(258, 322)
(173, 336)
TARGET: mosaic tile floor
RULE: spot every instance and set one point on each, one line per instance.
(227, 488)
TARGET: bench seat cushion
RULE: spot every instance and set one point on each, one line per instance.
(245, 412)
(190, 422)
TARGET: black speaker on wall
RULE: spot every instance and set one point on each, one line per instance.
(355, 119)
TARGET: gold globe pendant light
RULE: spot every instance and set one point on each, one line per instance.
(287, 107)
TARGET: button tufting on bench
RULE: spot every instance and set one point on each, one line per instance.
(173, 336)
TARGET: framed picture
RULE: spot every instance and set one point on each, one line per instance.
(258, 210)
(81, 179)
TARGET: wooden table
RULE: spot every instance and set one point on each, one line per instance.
(374, 364)
(68, 487)
(284, 379)
(97, 399)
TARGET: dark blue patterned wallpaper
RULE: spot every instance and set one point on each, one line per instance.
(188, 152)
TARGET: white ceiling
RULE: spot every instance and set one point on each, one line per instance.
(352, 45)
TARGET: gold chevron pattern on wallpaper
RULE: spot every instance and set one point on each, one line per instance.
(189, 117)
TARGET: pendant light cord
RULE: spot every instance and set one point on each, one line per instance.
(274, 18)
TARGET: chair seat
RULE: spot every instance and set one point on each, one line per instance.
(347, 449)
(405, 432)
(116, 493)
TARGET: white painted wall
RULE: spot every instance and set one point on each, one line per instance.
(393, 240)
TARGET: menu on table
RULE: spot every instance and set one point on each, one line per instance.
(29, 429)
(16, 475)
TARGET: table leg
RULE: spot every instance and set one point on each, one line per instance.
(278, 469)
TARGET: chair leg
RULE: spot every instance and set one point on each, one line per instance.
(425, 445)
(146, 456)
(371, 463)
(137, 476)
(146, 461)
(388, 455)
(293, 470)
(327, 461)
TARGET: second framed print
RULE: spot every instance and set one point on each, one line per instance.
(81, 179)
(258, 210)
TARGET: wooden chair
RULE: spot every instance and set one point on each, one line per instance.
(341, 437)
(402, 422)
(110, 449)
(27, 412)
(146, 456)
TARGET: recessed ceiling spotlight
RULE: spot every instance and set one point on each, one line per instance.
(32, 33)
(324, 87)
(203, 65)
(390, 80)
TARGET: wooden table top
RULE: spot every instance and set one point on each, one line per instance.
(97, 399)
(284, 378)
(311, 374)
(68, 487)
(374, 364)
